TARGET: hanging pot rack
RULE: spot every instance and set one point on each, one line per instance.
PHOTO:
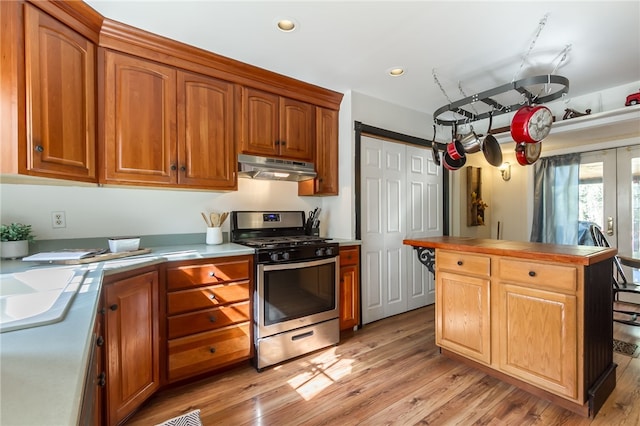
(486, 97)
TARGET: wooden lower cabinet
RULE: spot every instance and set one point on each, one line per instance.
(132, 341)
(537, 316)
(208, 305)
(537, 335)
(349, 287)
(463, 315)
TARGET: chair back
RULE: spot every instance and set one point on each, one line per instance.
(601, 241)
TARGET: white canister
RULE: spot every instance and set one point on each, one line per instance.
(214, 235)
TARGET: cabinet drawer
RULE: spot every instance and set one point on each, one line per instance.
(206, 297)
(463, 263)
(349, 256)
(539, 274)
(202, 352)
(207, 273)
(207, 320)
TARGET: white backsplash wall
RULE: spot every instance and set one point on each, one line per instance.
(113, 211)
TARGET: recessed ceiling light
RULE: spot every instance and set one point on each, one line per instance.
(396, 71)
(286, 25)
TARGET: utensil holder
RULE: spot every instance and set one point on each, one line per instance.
(214, 235)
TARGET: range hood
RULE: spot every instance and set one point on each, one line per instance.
(255, 167)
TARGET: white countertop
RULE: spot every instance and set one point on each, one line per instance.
(42, 369)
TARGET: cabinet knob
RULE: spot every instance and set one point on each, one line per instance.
(114, 307)
(183, 168)
(212, 350)
(212, 296)
(100, 341)
(283, 143)
(277, 143)
(212, 274)
(102, 379)
(174, 167)
(460, 262)
(39, 148)
(212, 319)
(532, 273)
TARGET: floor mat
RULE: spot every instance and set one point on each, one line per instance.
(625, 348)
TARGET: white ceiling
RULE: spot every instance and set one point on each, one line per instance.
(350, 45)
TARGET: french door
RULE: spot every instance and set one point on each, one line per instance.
(610, 197)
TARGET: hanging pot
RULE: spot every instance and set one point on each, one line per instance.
(455, 150)
(491, 148)
(471, 142)
(528, 153)
(451, 164)
(434, 148)
(531, 124)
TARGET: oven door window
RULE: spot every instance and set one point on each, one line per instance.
(299, 292)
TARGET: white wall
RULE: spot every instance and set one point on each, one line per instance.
(109, 211)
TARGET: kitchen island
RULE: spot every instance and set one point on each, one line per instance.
(538, 316)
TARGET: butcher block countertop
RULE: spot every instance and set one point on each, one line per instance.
(577, 255)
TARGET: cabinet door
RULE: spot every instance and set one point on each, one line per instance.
(206, 145)
(60, 86)
(462, 315)
(259, 127)
(139, 119)
(349, 300)
(132, 350)
(326, 156)
(297, 129)
(538, 337)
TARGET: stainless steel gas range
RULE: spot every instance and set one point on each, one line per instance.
(296, 297)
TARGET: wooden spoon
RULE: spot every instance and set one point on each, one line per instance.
(215, 220)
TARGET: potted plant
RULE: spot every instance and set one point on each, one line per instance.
(14, 240)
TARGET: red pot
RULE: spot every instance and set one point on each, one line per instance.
(531, 124)
(455, 150)
(451, 164)
(528, 153)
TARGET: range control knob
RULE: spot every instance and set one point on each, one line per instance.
(329, 251)
(320, 251)
(285, 255)
(274, 256)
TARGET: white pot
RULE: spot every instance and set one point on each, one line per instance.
(14, 249)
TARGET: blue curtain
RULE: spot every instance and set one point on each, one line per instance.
(555, 200)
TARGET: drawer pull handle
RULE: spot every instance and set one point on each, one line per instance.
(302, 336)
(460, 262)
(212, 274)
(212, 350)
(532, 273)
(102, 379)
(212, 296)
(100, 341)
(212, 319)
(114, 307)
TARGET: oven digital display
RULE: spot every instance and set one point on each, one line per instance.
(271, 217)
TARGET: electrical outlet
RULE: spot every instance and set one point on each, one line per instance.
(58, 220)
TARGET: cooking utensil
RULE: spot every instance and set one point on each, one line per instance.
(455, 150)
(206, 220)
(451, 164)
(215, 219)
(434, 148)
(223, 217)
(528, 153)
(490, 146)
(471, 142)
(531, 124)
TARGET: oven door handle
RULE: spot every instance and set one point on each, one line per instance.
(297, 265)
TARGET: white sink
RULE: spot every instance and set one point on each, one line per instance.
(37, 297)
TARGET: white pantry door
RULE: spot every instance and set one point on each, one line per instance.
(401, 197)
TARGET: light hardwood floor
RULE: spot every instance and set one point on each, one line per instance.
(388, 373)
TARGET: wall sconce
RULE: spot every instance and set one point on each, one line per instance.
(505, 170)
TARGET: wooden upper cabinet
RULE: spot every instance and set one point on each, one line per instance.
(206, 136)
(60, 99)
(326, 158)
(139, 121)
(276, 126)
